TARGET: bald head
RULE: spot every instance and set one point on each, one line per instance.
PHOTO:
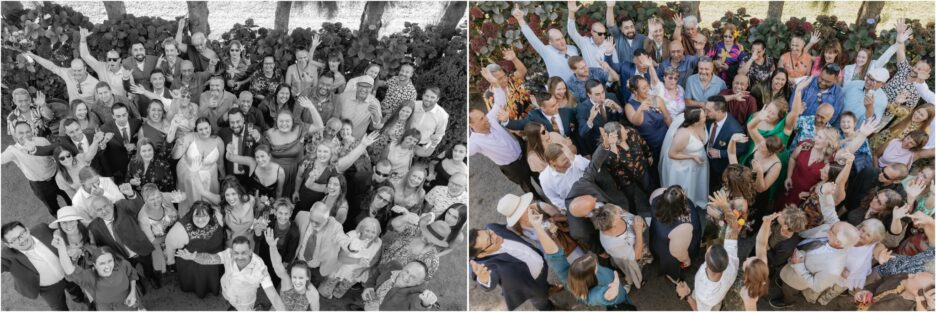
(824, 113)
(77, 70)
(318, 215)
(843, 235)
(583, 205)
(557, 39)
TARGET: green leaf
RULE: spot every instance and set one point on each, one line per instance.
(499, 19)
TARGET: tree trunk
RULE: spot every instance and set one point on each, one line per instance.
(371, 19)
(454, 11)
(115, 9)
(690, 8)
(282, 16)
(775, 10)
(870, 9)
(198, 17)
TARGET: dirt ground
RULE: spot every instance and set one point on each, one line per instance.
(488, 184)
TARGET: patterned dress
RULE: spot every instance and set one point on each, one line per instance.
(900, 82)
(399, 90)
(730, 57)
(260, 84)
(159, 172)
(759, 72)
(392, 135)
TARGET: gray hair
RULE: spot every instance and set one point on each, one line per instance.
(494, 68)
(690, 21)
(706, 59)
(874, 228)
(847, 235)
(20, 92)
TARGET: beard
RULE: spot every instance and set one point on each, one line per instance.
(139, 57)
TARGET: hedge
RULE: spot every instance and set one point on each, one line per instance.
(440, 61)
(491, 28)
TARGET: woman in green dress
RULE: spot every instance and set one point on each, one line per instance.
(768, 158)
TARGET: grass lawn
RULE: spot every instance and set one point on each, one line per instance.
(224, 14)
(845, 10)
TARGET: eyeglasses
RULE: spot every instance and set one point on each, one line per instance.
(884, 174)
(832, 67)
(235, 50)
(20, 239)
(490, 241)
(598, 33)
(382, 174)
(385, 199)
(728, 36)
(113, 59)
(64, 157)
(671, 77)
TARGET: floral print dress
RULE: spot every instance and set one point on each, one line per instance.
(399, 90)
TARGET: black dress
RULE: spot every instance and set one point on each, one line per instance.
(659, 239)
(441, 176)
(197, 278)
(263, 190)
(307, 197)
(287, 245)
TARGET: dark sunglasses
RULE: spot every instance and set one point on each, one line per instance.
(113, 59)
(64, 157)
(597, 33)
(382, 174)
(833, 67)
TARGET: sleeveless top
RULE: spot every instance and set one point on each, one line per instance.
(294, 300)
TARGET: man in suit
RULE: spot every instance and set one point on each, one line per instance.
(121, 147)
(215, 103)
(77, 141)
(721, 126)
(238, 138)
(553, 117)
(642, 65)
(104, 101)
(116, 227)
(322, 238)
(500, 257)
(817, 264)
(34, 264)
(594, 113)
(140, 64)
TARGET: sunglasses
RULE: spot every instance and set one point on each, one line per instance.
(382, 174)
(834, 67)
(597, 33)
(64, 157)
(113, 59)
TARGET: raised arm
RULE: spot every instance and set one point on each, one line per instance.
(64, 258)
(903, 34)
(83, 33)
(609, 14)
(47, 64)
(763, 236)
(179, 34)
(813, 40)
(202, 258)
(733, 147)
(345, 162)
(797, 109)
(527, 31)
(276, 260)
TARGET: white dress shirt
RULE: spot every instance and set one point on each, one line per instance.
(499, 145)
(431, 125)
(707, 293)
(46, 263)
(720, 124)
(82, 199)
(558, 122)
(556, 185)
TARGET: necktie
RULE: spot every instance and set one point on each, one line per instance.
(235, 145)
(711, 137)
(604, 114)
(310, 246)
(80, 145)
(809, 246)
(555, 124)
(126, 134)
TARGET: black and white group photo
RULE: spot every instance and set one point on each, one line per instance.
(701, 155)
(216, 155)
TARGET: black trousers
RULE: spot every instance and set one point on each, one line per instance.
(146, 262)
(48, 192)
(54, 295)
(519, 172)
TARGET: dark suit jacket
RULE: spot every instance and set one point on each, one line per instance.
(97, 163)
(25, 276)
(718, 165)
(247, 146)
(626, 70)
(567, 114)
(589, 138)
(125, 227)
(597, 182)
(513, 274)
(399, 299)
(141, 77)
(116, 156)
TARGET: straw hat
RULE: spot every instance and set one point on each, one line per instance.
(513, 207)
(437, 232)
(65, 214)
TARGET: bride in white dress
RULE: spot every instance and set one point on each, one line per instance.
(684, 162)
(198, 170)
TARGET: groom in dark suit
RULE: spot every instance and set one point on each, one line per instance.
(720, 127)
(554, 118)
(243, 142)
(122, 146)
(500, 257)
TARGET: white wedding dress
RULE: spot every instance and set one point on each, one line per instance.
(693, 177)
